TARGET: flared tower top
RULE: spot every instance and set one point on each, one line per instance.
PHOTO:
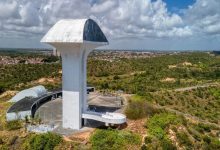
(75, 31)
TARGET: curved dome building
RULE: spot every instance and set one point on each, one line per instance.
(34, 92)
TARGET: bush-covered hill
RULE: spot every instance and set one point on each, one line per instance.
(12, 75)
(140, 75)
(172, 119)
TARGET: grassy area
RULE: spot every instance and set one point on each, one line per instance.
(114, 139)
(3, 108)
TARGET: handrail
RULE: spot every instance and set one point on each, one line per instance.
(43, 100)
(113, 118)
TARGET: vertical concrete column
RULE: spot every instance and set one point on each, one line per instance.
(72, 87)
(86, 49)
(84, 67)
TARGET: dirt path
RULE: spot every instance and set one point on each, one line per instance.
(187, 116)
(195, 87)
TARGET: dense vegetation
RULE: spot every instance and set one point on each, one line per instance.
(12, 75)
(21, 53)
(169, 131)
(16, 76)
(141, 75)
(157, 128)
(154, 81)
(135, 75)
(203, 103)
(46, 141)
(114, 139)
(139, 108)
(174, 119)
(13, 125)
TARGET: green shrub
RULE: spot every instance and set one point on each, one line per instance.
(50, 59)
(116, 77)
(157, 124)
(157, 132)
(147, 139)
(138, 108)
(45, 141)
(2, 89)
(196, 135)
(184, 139)
(215, 92)
(4, 147)
(204, 127)
(113, 139)
(166, 144)
(207, 139)
(144, 147)
(213, 145)
(1, 141)
(13, 125)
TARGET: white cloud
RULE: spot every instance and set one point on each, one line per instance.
(213, 29)
(8, 9)
(180, 32)
(29, 15)
(204, 17)
(103, 7)
(117, 18)
(139, 18)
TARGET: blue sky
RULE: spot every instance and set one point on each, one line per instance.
(128, 24)
(176, 5)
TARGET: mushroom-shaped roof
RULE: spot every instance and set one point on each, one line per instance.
(75, 31)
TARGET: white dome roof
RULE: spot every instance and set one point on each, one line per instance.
(36, 91)
(75, 31)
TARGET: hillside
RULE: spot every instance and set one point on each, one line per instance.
(172, 100)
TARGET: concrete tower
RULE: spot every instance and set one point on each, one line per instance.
(74, 39)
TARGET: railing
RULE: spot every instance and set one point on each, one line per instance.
(113, 118)
(44, 99)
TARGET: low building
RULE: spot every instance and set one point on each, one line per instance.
(33, 92)
(27, 106)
